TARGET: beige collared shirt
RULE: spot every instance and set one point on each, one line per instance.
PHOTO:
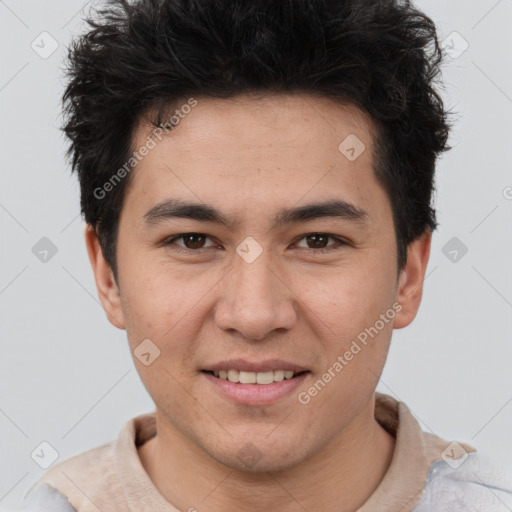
(111, 477)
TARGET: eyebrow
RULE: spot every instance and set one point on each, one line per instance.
(176, 208)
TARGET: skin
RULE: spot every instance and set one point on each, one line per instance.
(249, 157)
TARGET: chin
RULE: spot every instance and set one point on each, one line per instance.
(264, 465)
(258, 455)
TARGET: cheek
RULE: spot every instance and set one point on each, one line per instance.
(346, 300)
(346, 311)
(166, 306)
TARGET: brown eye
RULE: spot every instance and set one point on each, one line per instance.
(317, 240)
(318, 243)
(191, 241)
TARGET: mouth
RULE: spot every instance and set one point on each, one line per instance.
(249, 388)
(252, 378)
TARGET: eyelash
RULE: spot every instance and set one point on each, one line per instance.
(339, 243)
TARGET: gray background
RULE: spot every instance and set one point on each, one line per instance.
(66, 375)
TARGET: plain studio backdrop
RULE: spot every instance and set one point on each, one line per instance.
(66, 375)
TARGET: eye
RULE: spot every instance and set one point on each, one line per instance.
(319, 242)
(191, 241)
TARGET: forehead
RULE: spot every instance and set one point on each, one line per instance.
(272, 150)
(261, 117)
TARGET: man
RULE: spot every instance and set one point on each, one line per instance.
(256, 179)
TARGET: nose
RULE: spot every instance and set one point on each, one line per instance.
(256, 299)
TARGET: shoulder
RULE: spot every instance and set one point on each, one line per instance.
(78, 483)
(44, 497)
(475, 483)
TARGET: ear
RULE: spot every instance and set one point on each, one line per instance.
(410, 285)
(108, 291)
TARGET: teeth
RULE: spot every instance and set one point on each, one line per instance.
(254, 377)
(265, 377)
(247, 377)
(233, 376)
(278, 375)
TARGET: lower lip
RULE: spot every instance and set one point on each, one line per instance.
(255, 394)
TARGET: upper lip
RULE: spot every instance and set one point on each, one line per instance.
(256, 366)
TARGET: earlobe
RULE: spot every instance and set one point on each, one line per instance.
(108, 291)
(410, 285)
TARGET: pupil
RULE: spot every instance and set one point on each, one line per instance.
(322, 238)
(195, 243)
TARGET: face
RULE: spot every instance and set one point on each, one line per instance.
(287, 262)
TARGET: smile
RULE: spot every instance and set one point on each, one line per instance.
(242, 377)
(255, 388)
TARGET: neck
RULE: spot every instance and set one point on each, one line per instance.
(340, 477)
